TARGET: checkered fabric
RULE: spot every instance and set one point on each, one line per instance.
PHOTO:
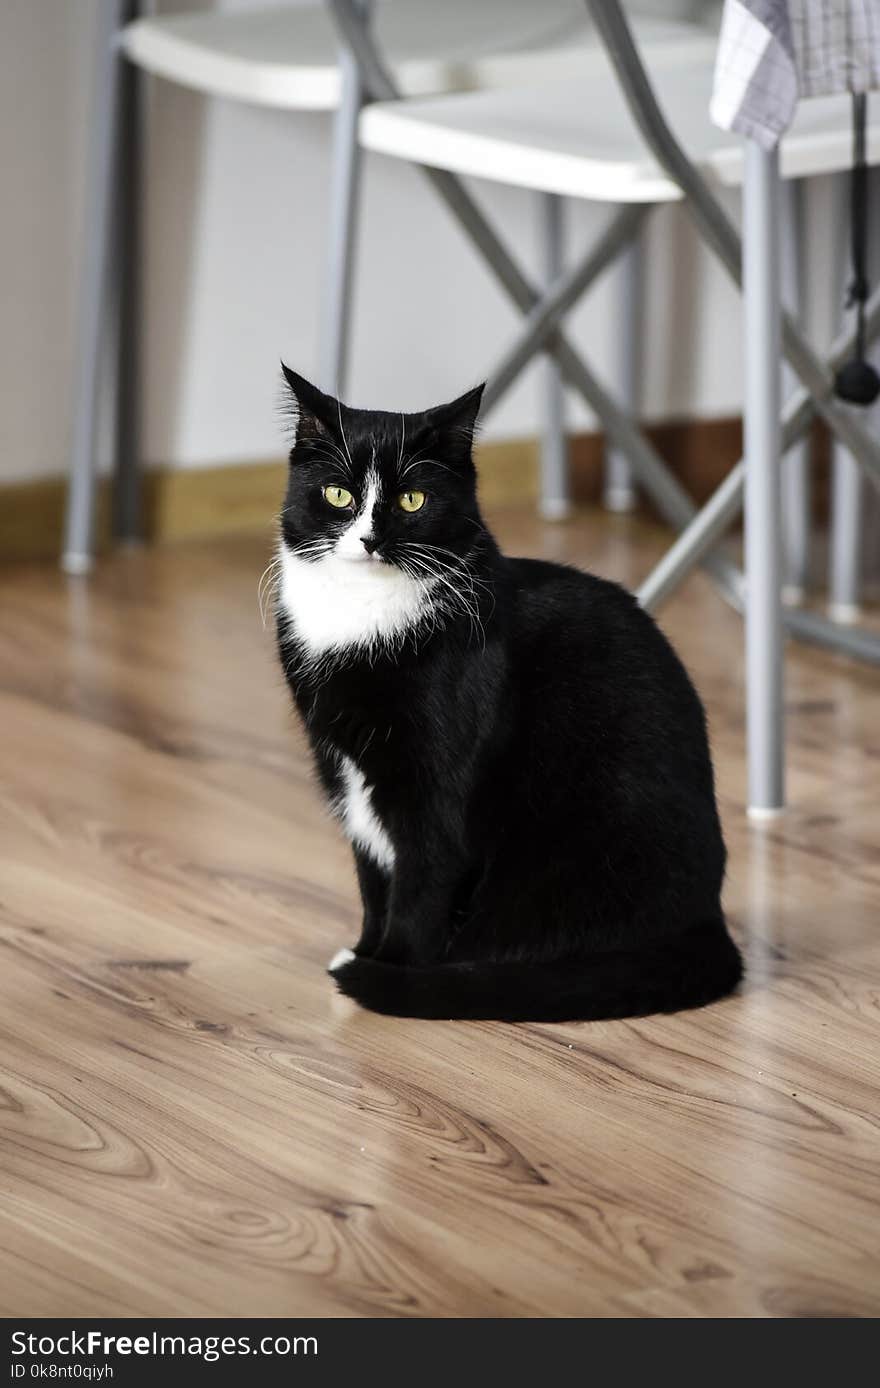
(773, 52)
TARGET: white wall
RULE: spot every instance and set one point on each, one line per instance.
(44, 73)
(236, 216)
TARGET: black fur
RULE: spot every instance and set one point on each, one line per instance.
(536, 754)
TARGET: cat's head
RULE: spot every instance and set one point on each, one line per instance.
(370, 488)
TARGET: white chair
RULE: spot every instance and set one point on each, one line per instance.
(288, 58)
(615, 139)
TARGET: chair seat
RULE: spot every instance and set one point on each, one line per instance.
(577, 138)
(287, 56)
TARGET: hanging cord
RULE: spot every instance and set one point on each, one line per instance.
(857, 381)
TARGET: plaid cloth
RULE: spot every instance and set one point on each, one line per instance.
(773, 52)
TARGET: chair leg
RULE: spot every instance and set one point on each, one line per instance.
(127, 491)
(99, 266)
(555, 501)
(762, 320)
(846, 539)
(796, 462)
(344, 190)
(619, 490)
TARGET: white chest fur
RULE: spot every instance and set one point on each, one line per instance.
(336, 602)
(360, 821)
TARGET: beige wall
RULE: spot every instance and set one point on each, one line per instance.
(236, 223)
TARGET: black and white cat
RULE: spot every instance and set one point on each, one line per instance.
(513, 748)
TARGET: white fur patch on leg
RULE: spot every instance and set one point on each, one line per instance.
(342, 956)
(359, 819)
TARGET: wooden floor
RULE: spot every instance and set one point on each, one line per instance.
(191, 1122)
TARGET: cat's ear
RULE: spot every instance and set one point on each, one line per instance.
(456, 422)
(315, 415)
(460, 413)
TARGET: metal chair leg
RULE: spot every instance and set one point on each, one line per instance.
(554, 492)
(847, 522)
(344, 191)
(99, 265)
(796, 462)
(619, 490)
(762, 314)
(845, 541)
(127, 490)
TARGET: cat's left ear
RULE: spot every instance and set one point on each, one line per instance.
(456, 422)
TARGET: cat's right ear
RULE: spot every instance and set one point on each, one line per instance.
(315, 415)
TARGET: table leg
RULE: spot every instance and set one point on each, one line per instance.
(555, 504)
(763, 549)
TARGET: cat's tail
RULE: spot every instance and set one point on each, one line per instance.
(696, 968)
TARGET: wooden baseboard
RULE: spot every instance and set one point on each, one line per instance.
(204, 502)
(178, 505)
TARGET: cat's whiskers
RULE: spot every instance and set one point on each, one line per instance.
(429, 462)
(458, 563)
(454, 598)
(402, 443)
(411, 462)
(455, 559)
(342, 432)
(270, 583)
(469, 601)
(336, 459)
(428, 579)
(432, 617)
(268, 586)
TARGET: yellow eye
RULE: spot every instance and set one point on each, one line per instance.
(338, 496)
(411, 501)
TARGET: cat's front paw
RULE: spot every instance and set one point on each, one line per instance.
(342, 956)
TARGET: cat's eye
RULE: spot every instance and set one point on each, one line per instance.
(339, 497)
(411, 501)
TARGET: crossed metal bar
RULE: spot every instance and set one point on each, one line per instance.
(699, 530)
(722, 508)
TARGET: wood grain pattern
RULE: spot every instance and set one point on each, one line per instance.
(192, 1122)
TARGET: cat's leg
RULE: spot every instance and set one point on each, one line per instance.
(374, 882)
(422, 898)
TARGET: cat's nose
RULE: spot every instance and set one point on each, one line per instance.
(370, 543)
